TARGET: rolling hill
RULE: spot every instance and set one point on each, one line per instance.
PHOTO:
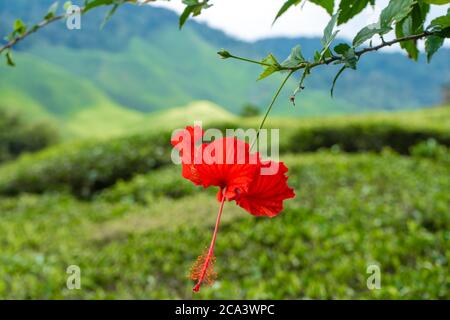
(109, 79)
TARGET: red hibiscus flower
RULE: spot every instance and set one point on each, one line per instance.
(258, 187)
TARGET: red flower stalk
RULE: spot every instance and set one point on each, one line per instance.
(258, 187)
(203, 269)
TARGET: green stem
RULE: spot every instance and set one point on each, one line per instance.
(251, 61)
(269, 108)
(302, 80)
(280, 68)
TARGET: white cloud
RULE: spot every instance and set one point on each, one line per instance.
(252, 19)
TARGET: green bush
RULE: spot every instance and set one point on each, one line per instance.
(431, 149)
(351, 211)
(18, 136)
(85, 167)
(164, 182)
(363, 137)
(250, 110)
(372, 132)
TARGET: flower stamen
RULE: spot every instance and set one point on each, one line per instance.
(203, 268)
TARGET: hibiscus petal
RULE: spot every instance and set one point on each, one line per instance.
(266, 193)
(228, 164)
(189, 172)
(187, 138)
(184, 141)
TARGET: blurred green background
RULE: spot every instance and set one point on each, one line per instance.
(86, 177)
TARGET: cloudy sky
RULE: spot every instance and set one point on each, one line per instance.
(252, 19)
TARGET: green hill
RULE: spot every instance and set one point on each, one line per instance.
(204, 111)
(140, 61)
(74, 103)
(153, 80)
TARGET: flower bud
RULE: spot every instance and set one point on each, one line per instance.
(224, 54)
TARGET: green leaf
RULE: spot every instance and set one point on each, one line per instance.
(405, 28)
(411, 25)
(34, 28)
(184, 16)
(272, 66)
(395, 11)
(270, 59)
(341, 48)
(438, 2)
(432, 45)
(193, 7)
(285, 7)
(326, 4)
(96, 3)
(51, 11)
(9, 60)
(347, 54)
(294, 59)
(67, 5)
(368, 32)
(328, 32)
(326, 53)
(419, 15)
(350, 8)
(19, 27)
(350, 59)
(109, 14)
(441, 22)
(329, 35)
(316, 56)
(336, 78)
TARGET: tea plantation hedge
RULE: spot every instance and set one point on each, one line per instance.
(86, 167)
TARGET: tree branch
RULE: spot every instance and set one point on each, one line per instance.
(376, 48)
(307, 66)
(332, 59)
(46, 22)
(390, 43)
(34, 29)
